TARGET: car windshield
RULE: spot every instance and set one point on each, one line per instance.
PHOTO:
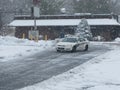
(69, 40)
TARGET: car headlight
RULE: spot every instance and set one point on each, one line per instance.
(60, 45)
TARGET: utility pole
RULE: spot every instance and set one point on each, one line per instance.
(34, 34)
(36, 11)
(34, 4)
(0, 20)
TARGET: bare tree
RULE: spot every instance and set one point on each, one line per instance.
(92, 6)
(51, 6)
(8, 8)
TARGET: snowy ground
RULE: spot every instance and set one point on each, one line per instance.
(12, 48)
(100, 73)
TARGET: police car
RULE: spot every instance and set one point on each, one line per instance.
(72, 43)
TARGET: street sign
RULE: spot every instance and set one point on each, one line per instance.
(33, 34)
(36, 11)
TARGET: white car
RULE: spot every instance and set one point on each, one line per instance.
(72, 44)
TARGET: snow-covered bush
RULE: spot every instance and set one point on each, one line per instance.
(83, 30)
(98, 38)
(117, 39)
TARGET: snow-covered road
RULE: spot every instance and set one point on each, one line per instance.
(42, 65)
(25, 63)
(99, 73)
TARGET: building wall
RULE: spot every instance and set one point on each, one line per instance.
(51, 32)
(108, 32)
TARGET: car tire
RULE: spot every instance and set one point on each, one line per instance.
(74, 49)
(58, 50)
(86, 48)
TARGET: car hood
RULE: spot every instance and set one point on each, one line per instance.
(66, 43)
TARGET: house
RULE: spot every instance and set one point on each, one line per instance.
(105, 25)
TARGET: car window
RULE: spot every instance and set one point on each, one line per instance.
(81, 39)
(69, 40)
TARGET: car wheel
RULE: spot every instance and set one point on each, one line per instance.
(58, 50)
(86, 48)
(73, 49)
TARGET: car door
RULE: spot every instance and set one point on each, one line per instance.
(81, 42)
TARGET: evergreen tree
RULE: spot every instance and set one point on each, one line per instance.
(83, 30)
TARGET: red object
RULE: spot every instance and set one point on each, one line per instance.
(35, 2)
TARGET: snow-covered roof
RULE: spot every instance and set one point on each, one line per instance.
(62, 22)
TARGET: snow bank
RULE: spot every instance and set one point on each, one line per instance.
(117, 39)
(100, 73)
(12, 48)
(8, 40)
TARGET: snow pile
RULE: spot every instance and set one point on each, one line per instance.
(12, 48)
(117, 39)
(8, 40)
(100, 73)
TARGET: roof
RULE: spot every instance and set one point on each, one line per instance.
(62, 22)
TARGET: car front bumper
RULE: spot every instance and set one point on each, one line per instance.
(63, 48)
